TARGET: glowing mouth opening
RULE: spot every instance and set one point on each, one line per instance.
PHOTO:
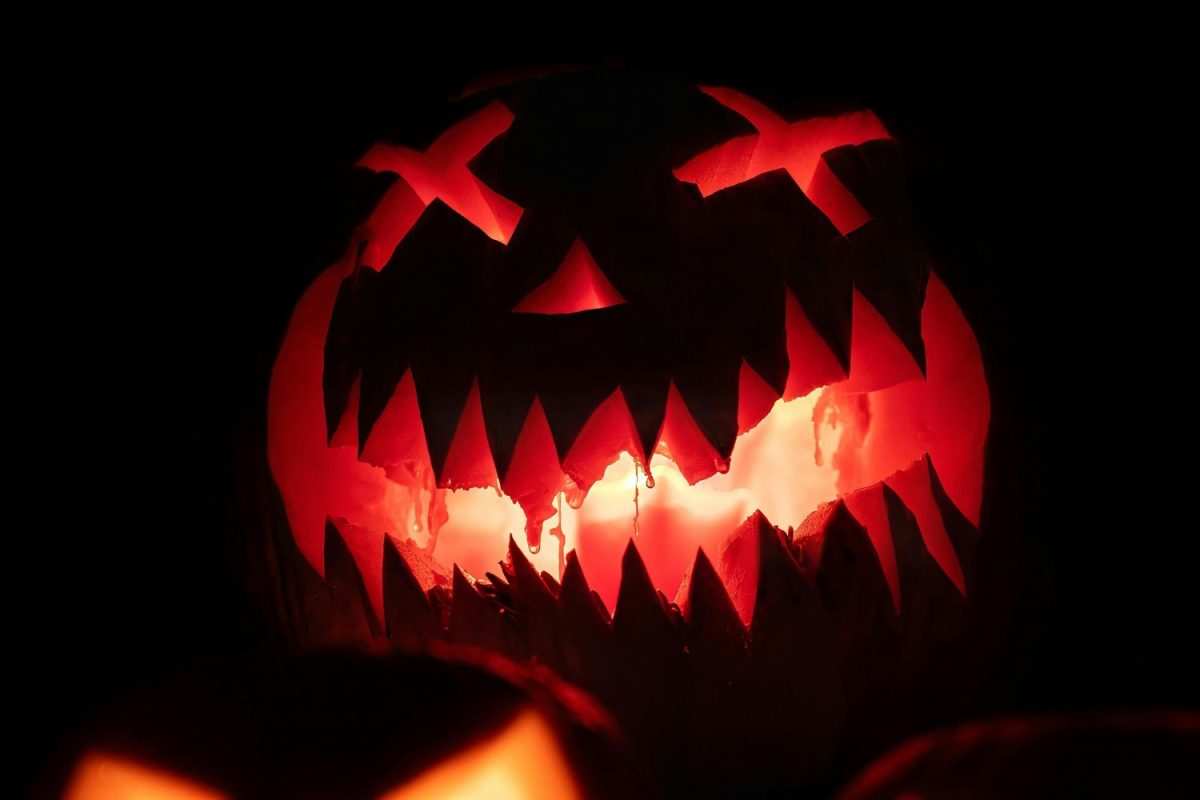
(793, 454)
(782, 467)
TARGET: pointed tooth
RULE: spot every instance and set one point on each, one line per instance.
(588, 645)
(377, 385)
(444, 349)
(827, 301)
(608, 432)
(303, 584)
(756, 398)
(913, 486)
(469, 463)
(889, 263)
(506, 398)
(522, 574)
(578, 600)
(535, 475)
(932, 606)
(718, 651)
(845, 570)
(800, 242)
(475, 621)
(690, 449)
(569, 400)
(442, 392)
(640, 613)
(649, 685)
(869, 508)
(757, 226)
(397, 435)
(537, 609)
(410, 620)
(352, 617)
(739, 564)
(879, 358)
(792, 646)
(710, 392)
(963, 534)
(715, 631)
(811, 363)
(551, 583)
(900, 314)
(647, 401)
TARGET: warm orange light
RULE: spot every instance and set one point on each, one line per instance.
(521, 762)
(99, 776)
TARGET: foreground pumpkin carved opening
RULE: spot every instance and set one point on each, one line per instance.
(610, 308)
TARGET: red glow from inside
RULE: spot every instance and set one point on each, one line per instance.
(577, 285)
(830, 435)
(797, 147)
(441, 172)
(792, 455)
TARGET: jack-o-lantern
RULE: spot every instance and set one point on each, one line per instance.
(341, 725)
(663, 352)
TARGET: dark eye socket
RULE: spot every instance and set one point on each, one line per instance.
(577, 285)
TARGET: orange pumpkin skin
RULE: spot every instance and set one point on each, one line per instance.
(511, 315)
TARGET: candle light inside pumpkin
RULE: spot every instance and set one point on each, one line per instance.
(774, 469)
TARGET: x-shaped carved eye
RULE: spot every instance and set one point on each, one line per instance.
(441, 173)
(797, 147)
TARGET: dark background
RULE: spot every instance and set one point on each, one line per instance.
(173, 177)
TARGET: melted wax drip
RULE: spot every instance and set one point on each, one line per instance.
(423, 508)
(558, 533)
(575, 493)
(636, 507)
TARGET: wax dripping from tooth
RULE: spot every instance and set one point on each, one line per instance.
(575, 494)
(558, 533)
(637, 531)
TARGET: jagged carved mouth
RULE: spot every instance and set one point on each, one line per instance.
(449, 483)
(840, 441)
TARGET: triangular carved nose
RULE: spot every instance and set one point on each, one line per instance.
(577, 285)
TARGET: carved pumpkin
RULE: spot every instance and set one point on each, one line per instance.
(339, 726)
(666, 354)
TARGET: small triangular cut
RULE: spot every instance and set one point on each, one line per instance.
(577, 285)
